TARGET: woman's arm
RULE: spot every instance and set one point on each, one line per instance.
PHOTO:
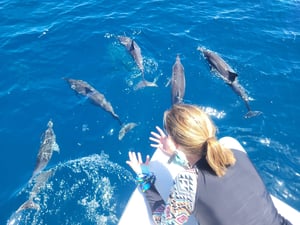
(181, 200)
(180, 203)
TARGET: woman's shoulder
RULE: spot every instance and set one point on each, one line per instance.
(231, 143)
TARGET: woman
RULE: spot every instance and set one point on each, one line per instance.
(219, 186)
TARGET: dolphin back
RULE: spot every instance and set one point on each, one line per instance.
(178, 81)
(229, 76)
(85, 89)
(48, 145)
(126, 41)
(134, 50)
(99, 99)
(218, 64)
(240, 91)
(251, 114)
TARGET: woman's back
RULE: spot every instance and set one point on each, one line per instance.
(238, 197)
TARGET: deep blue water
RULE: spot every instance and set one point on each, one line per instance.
(43, 41)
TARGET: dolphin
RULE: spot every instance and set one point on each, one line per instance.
(218, 64)
(144, 83)
(136, 53)
(48, 145)
(18, 217)
(40, 182)
(85, 89)
(134, 50)
(178, 81)
(229, 76)
(125, 129)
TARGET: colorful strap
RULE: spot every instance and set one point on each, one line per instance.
(145, 180)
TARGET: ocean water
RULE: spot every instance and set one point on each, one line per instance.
(42, 42)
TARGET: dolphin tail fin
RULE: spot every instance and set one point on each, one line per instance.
(117, 117)
(251, 114)
(168, 82)
(29, 204)
(119, 120)
(144, 83)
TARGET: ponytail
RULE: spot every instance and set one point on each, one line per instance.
(218, 157)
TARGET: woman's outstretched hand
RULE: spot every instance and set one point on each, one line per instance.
(162, 142)
(136, 163)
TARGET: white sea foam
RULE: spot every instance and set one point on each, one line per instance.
(82, 190)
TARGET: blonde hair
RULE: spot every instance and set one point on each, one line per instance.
(192, 129)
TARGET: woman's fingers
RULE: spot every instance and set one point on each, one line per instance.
(136, 158)
(147, 159)
(136, 162)
(156, 135)
(140, 161)
(154, 139)
(129, 156)
(155, 145)
(161, 132)
(132, 157)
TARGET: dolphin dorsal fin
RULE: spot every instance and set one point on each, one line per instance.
(88, 90)
(131, 46)
(232, 76)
